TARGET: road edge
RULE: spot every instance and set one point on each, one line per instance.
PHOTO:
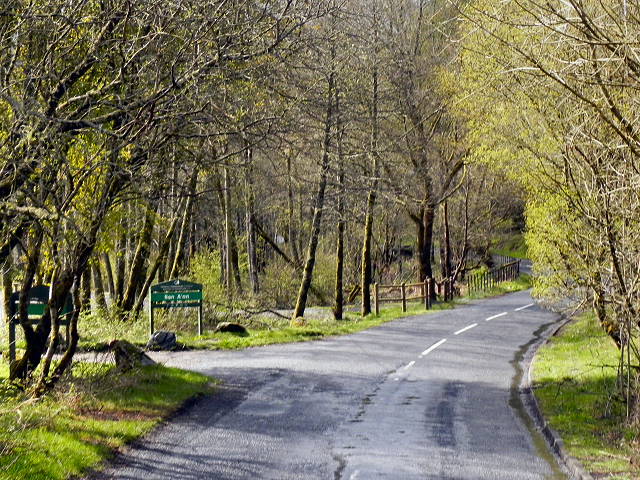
(553, 439)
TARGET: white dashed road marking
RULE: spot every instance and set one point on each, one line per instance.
(495, 316)
(433, 347)
(466, 328)
(410, 364)
(526, 306)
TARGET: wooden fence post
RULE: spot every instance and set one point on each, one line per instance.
(403, 288)
(376, 306)
(432, 290)
(425, 291)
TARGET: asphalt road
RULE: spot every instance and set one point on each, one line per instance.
(433, 396)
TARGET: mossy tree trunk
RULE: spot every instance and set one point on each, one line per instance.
(307, 272)
(367, 267)
(137, 269)
(160, 259)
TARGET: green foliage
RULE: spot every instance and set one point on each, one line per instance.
(98, 327)
(324, 278)
(205, 269)
(514, 246)
(279, 285)
(552, 107)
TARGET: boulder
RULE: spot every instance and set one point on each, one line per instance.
(230, 327)
(128, 356)
(298, 322)
(162, 340)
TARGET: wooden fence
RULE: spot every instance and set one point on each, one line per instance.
(487, 280)
(403, 293)
(426, 291)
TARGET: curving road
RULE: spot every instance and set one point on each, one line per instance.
(433, 396)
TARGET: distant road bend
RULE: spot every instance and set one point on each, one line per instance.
(433, 396)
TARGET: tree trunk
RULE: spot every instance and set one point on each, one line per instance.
(339, 289)
(339, 286)
(367, 269)
(424, 225)
(232, 267)
(54, 339)
(445, 253)
(110, 285)
(307, 273)
(85, 298)
(98, 286)
(7, 286)
(235, 261)
(186, 221)
(136, 274)
(168, 265)
(67, 357)
(226, 197)
(162, 256)
(292, 228)
(35, 338)
(121, 263)
(252, 257)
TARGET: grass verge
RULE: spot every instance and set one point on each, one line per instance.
(313, 329)
(574, 377)
(87, 418)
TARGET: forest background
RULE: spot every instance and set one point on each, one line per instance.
(291, 153)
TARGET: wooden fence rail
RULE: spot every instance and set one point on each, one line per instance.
(484, 281)
(426, 290)
(405, 293)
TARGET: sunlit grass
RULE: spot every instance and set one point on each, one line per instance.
(574, 382)
(313, 329)
(89, 416)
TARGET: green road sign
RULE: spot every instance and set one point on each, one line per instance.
(176, 285)
(175, 293)
(177, 297)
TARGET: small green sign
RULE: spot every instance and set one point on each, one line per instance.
(175, 293)
(176, 285)
(36, 309)
(175, 297)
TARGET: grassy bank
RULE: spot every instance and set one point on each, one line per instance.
(574, 382)
(85, 420)
(314, 328)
